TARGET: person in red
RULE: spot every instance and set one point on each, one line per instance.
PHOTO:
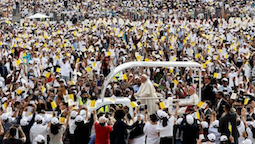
(102, 131)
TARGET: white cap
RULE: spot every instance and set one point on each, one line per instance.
(40, 139)
(79, 118)
(23, 122)
(161, 114)
(247, 141)
(73, 114)
(225, 79)
(223, 138)
(204, 124)
(4, 99)
(211, 137)
(54, 121)
(4, 116)
(38, 118)
(190, 119)
(216, 123)
(201, 136)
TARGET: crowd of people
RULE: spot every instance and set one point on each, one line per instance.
(58, 65)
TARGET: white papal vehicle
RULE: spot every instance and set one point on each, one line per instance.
(105, 103)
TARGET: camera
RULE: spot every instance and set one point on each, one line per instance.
(143, 107)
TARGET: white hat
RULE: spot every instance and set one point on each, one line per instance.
(201, 136)
(190, 119)
(144, 75)
(247, 141)
(73, 114)
(4, 116)
(23, 122)
(211, 137)
(216, 123)
(38, 118)
(161, 114)
(223, 138)
(225, 79)
(4, 99)
(40, 139)
(54, 121)
(204, 124)
(79, 118)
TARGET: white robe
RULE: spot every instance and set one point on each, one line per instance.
(147, 90)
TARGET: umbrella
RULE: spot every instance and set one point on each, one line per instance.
(38, 15)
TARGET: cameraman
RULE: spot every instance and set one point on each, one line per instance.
(10, 136)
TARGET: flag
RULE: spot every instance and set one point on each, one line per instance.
(133, 104)
(53, 104)
(162, 105)
(92, 103)
(71, 97)
(202, 104)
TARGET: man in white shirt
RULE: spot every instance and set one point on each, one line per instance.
(37, 129)
(65, 70)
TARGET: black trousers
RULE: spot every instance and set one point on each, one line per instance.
(166, 140)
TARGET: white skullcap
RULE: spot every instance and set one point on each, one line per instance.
(211, 137)
(38, 118)
(54, 121)
(161, 114)
(223, 138)
(40, 139)
(144, 75)
(73, 114)
(190, 119)
(247, 141)
(179, 121)
(23, 122)
(216, 123)
(79, 118)
(4, 116)
(204, 124)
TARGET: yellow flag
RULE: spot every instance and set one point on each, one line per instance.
(215, 75)
(175, 82)
(71, 97)
(138, 57)
(94, 64)
(108, 53)
(53, 104)
(200, 104)
(78, 59)
(62, 120)
(125, 76)
(57, 57)
(47, 75)
(18, 62)
(162, 105)
(19, 91)
(246, 100)
(204, 65)
(230, 127)
(146, 59)
(92, 103)
(198, 115)
(58, 70)
(24, 54)
(155, 84)
(133, 104)
(5, 105)
(43, 89)
(88, 69)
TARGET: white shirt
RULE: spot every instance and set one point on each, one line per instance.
(152, 135)
(166, 131)
(65, 69)
(37, 129)
(72, 125)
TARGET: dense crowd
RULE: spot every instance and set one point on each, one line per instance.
(58, 66)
